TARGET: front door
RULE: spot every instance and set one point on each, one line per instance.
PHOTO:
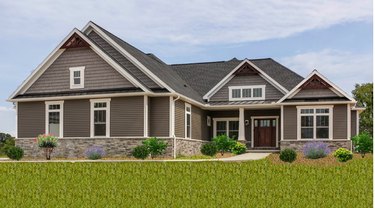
(265, 132)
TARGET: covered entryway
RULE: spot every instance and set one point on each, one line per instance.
(264, 132)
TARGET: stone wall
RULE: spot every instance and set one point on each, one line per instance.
(75, 147)
(333, 145)
(188, 147)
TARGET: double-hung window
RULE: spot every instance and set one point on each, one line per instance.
(100, 117)
(54, 118)
(187, 120)
(315, 122)
(254, 92)
(226, 126)
(77, 77)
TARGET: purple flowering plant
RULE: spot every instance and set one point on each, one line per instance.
(315, 150)
(94, 153)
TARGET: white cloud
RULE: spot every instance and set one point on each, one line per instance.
(345, 69)
(192, 22)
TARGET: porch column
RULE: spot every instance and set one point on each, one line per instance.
(241, 129)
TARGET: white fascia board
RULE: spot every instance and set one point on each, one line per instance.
(230, 76)
(335, 88)
(92, 27)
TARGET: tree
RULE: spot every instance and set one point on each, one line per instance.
(363, 93)
(362, 143)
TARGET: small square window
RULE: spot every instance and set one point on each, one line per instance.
(77, 77)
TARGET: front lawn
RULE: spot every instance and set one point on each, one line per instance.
(262, 183)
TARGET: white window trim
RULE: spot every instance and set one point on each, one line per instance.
(108, 116)
(263, 87)
(81, 69)
(330, 126)
(264, 117)
(61, 110)
(227, 125)
(186, 113)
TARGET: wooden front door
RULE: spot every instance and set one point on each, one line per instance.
(265, 132)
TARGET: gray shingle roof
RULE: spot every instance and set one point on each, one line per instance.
(194, 80)
(204, 76)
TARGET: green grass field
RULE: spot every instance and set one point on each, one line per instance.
(185, 184)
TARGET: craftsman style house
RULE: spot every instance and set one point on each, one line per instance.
(95, 89)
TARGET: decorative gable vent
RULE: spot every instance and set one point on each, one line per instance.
(315, 82)
(75, 41)
(246, 69)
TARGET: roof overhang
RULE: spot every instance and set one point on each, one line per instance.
(334, 87)
(230, 75)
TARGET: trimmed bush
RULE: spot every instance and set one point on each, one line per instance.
(343, 154)
(238, 148)
(14, 153)
(10, 142)
(155, 146)
(141, 152)
(224, 143)
(288, 155)
(94, 153)
(315, 150)
(209, 149)
(362, 143)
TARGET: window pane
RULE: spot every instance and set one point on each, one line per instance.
(100, 116)
(246, 93)
(221, 125)
(256, 123)
(307, 133)
(54, 123)
(273, 123)
(77, 81)
(307, 121)
(322, 120)
(100, 105)
(54, 107)
(188, 109)
(323, 110)
(257, 92)
(188, 127)
(233, 125)
(322, 133)
(307, 111)
(77, 73)
(236, 93)
(100, 129)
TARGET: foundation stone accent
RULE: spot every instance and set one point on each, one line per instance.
(332, 144)
(188, 147)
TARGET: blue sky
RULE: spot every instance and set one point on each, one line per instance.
(333, 36)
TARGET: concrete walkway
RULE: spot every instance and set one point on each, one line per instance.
(246, 156)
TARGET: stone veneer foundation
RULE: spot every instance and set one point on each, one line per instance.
(332, 144)
(114, 147)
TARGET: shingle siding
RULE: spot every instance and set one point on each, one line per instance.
(127, 116)
(98, 73)
(180, 118)
(159, 116)
(315, 93)
(77, 118)
(130, 67)
(31, 119)
(271, 92)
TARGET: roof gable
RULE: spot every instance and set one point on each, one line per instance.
(316, 81)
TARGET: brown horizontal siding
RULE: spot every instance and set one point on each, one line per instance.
(127, 116)
(159, 116)
(77, 118)
(271, 92)
(30, 119)
(340, 124)
(199, 128)
(290, 122)
(180, 118)
(122, 60)
(98, 73)
(315, 93)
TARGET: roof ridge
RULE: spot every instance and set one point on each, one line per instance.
(192, 63)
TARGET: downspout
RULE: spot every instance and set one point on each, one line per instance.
(174, 131)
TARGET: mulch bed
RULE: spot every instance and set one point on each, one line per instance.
(321, 162)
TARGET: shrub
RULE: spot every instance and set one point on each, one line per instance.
(14, 153)
(362, 143)
(94, 153)
(47, 142)
(10, 142)
(209, 149)
(155, 146)
(315, 150)
(141, 152)
(224, 143)
(238, 148)
(288, 155)
(343, 154)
